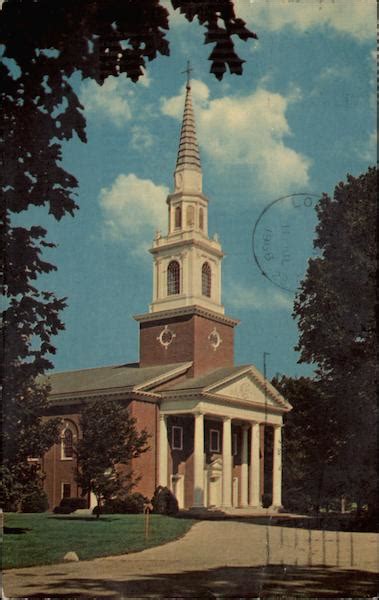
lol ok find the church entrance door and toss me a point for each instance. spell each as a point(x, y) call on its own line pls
point(214, 483)
point(214, 489)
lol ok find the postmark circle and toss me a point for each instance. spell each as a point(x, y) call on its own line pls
point(282, 239)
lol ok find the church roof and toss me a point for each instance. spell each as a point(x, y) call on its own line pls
point(188, 154)
point(204, 381)
point(216, 383)
point(125, 377)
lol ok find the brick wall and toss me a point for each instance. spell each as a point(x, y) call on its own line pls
point(190, 343)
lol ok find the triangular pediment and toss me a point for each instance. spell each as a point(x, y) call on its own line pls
point(250, 386)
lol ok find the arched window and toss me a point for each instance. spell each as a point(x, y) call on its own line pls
point(206, 277)
point(173, 278)
point(201, 219)
point(178, 217)
point(190, 216)
point(67, 444)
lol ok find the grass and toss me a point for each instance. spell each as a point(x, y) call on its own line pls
point(42, 539)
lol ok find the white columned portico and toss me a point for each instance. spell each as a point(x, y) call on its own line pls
point(244, 466)
point(198, 451)
point(277, 468)
point(254, 480)
point(163, 451)
point(227, 462)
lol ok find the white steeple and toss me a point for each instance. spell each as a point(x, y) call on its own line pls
point(188, 175)
point(187, 264)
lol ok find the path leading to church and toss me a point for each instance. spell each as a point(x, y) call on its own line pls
point(218, 559)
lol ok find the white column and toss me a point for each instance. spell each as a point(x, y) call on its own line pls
point(198, 452)
point(227, 462)
point(155, 281)
point(163, 451)
point(277, 469)
point(244, 467)
point(254, 480)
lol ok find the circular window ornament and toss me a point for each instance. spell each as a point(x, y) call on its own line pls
point(166, 337)
point(214, 339)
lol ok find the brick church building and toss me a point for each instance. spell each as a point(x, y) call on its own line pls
point(208, 419)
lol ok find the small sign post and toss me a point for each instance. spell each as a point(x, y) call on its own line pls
point(147, 522)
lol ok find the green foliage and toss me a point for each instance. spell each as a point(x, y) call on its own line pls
point(63, 510)
point(35, 502)
point(24, 434)
point(131, 503)
point(74, 502)
point(310, 446)
point(164, 502)
point(109, 441)
point(335, 308)
point(69, 505)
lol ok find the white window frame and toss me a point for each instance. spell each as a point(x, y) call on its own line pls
point(63, 483)
point(63, 456)
point(173, 446)
point(211, 448)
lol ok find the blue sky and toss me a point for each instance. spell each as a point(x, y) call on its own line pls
point(299, 119)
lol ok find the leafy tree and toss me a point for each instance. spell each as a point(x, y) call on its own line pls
point(335, 308)
point(24, 434)
point(43, 44)
point(310, 445)
point(109, 441)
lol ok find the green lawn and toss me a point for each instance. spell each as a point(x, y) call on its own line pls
point(40, 539)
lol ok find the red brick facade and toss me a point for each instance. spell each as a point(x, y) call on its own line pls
point(191, 343)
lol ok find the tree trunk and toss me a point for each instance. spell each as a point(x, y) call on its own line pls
point(98, 512)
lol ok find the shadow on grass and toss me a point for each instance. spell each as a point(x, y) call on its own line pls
point(244, 582)
point(16, 530)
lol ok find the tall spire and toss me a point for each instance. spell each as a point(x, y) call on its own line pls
point(188, 154)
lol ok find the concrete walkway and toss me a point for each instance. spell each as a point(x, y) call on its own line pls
point(218, 559)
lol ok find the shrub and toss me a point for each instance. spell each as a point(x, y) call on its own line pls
point(74, 503)
point(35, 502)
point(164, 502)
point(69, 505)
point(132, 504)
point(135, 503)
point(63, 510)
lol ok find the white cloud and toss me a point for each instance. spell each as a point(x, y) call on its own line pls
point(173, 107)
point(356, 18)
point(248, 130)
point(239, 296)
point(108, 99)
point(133, 208)
point(333, 72)
point(368, 150)
point(141, 138)
point(113, 100)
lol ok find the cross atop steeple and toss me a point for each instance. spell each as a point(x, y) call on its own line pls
point(188, 70)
